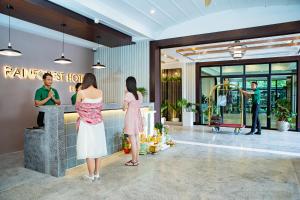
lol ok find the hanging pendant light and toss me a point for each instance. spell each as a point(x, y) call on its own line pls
point(237, 50)
point(62, 60)
point(98, 65)
point(9, 51)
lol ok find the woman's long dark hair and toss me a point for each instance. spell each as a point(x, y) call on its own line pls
point(131, 86)
point(88, 80)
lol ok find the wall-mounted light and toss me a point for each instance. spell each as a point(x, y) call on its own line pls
point(62, 60)
point(98, 65)
point(9, 51)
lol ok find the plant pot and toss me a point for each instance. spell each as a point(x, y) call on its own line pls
point(188, 118)
point(126, 150)
point(175, 119)
point(163, 120)
point(283, 126)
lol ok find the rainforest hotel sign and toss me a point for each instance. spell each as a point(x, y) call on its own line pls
point(15, 72)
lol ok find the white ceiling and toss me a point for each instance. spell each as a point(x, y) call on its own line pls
point(173, 18)
point(134, 18)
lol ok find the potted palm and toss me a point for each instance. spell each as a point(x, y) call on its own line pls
point(177, 109)
point(284, 114)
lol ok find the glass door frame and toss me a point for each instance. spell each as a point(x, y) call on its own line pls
point(244, 79)
point(269, 75)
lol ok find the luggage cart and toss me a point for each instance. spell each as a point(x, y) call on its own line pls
point(217, 121)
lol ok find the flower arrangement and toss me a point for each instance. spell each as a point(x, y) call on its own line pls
point(126, 144)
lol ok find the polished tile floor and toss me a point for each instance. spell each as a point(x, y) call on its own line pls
point(201, 166)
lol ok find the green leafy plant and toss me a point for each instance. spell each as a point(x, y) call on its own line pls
point(170, 78)
point(178, 106)
point(125, 142)
point(142, 90)
point(164, 107)
point(283, 111)
point(159, 126)
point(191, 107)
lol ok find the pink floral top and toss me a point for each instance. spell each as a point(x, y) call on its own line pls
point(133, 117)
point(89, 112)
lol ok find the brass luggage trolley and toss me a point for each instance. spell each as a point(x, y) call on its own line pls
point(216, 121)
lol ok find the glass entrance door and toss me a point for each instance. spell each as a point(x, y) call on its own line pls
point(232, 113)
point(283, 87)
point(263, 85)
point(232, 110)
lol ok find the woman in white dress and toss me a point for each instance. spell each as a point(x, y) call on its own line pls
point(91, 141)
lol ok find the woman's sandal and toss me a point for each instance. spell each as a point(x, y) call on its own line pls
point(131, 163)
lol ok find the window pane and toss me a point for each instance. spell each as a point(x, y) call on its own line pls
point(210, 71)
point(284, 68)
point(284, 87)
point(233, 70)
point(263, 87)
point(206, 86)
point(231, 112)
point(257, 69)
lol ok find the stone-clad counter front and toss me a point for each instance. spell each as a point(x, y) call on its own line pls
point(52, 149)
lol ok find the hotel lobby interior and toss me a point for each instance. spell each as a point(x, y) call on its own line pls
point(197, 64)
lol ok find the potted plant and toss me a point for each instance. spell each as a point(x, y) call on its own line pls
point(159, 127)
point(126, 144)
point(163, 108)
point(143, 91)
point(177, 109)
point(188, 114)
point(284, 114)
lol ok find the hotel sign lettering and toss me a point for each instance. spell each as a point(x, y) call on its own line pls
point(37, 74)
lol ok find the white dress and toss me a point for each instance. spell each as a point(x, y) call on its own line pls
point(91, 140)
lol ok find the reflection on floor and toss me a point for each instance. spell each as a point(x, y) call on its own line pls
point(201, 166)
point(235, 118)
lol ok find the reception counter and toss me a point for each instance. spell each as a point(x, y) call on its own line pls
point(52, 149)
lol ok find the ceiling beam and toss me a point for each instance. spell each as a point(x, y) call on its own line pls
point(292, 38)
point(231, 35)
point(50, 15)
point(247, 49)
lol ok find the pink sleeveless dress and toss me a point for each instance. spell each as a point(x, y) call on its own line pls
point(133, 117)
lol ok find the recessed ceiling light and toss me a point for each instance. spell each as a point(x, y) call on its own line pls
point(97, 21)
point(152, 11)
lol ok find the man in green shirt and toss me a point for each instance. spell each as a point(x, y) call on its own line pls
point(73, 98)
point(255, 94)
point(46, 95)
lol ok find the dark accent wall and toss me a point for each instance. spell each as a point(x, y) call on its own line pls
point(171, 89)
point(16, 96)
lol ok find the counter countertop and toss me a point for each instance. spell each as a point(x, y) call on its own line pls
point(71, 108)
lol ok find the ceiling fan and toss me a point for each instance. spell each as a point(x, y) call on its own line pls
point(207, 2)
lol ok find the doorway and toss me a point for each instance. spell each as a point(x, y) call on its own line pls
point(275, 81)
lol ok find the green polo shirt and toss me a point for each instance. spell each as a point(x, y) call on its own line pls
point(42, 93)
point(73, 99)
point(256, 96)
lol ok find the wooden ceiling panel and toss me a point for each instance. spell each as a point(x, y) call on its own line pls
point(50, 15)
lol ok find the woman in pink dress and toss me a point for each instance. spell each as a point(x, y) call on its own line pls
point(133, 118)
